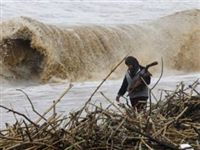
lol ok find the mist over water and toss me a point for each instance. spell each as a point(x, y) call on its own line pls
point(62, 47)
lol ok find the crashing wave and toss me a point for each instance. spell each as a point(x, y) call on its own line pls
point(31, 49)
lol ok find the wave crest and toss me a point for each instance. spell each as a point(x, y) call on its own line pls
point(31, 49)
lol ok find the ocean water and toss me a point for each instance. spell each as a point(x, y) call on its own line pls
point(103, 32)
point(94, 12)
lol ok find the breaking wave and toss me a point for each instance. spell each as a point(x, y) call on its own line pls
point(33, 50)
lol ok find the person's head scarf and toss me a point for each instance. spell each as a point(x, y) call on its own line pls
point(130, 60)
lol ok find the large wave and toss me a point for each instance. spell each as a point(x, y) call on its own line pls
point(31, 49)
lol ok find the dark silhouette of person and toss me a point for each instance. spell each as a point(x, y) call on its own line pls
point(139, 95)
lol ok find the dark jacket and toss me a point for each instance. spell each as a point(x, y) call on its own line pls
point(142, 90)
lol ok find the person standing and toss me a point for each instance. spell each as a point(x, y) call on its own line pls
point(139, 94)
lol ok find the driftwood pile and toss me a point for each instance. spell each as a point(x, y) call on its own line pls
point(172, 121)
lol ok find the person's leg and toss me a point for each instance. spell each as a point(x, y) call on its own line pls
point(133, 102)
point(139, 103)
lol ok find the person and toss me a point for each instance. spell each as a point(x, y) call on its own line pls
point(139, 95)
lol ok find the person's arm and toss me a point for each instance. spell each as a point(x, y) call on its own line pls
point(122, 89)
point(138, 83)
point(147, 77)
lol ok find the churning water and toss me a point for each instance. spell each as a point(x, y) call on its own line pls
point(55, 43)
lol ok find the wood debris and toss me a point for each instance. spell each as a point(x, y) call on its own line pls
point(173, 120)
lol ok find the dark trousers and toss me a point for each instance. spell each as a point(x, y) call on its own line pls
point(139, 103)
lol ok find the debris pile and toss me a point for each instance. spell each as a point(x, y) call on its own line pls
point(172, 121)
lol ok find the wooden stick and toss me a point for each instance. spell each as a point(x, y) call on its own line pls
point(104, 80)
point(88, 101)
point(20, 115)
point(56, 102)
point(32, 106)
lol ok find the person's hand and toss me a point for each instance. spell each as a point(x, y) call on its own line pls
point(117, 98)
